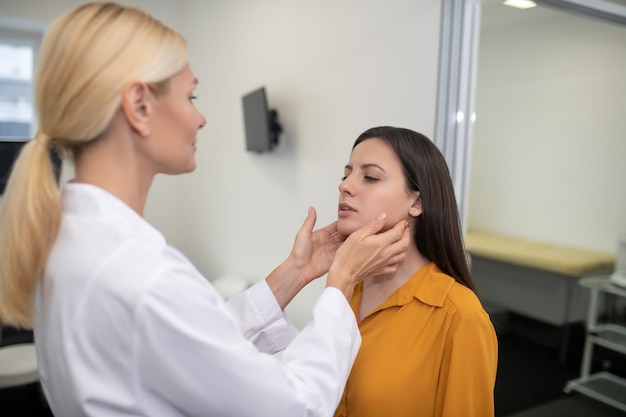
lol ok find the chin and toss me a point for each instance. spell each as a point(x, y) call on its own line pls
point(346, 227)
point(189, 167)
point(180, 169)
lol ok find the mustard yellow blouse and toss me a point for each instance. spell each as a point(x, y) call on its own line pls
point(429, 350)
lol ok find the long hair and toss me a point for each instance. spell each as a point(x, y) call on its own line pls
point(85, 59)
point(437, 232)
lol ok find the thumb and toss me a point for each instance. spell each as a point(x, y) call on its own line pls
point(373, 227)
point(309, 222)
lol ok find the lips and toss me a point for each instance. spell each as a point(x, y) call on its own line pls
point(345, 209)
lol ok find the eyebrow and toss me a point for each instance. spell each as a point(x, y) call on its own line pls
point(365, 166)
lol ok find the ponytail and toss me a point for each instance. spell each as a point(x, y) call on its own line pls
point(29, 221)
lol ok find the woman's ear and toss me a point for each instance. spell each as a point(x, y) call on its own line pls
point(416, 207)
point(136, 106)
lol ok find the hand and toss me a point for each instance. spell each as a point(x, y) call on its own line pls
point(366, 253)
point(314, 251)
point(310, 258)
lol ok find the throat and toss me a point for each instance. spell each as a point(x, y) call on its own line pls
point(377, 289)
point(375, 292)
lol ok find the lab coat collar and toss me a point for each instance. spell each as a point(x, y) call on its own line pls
point(92, 201)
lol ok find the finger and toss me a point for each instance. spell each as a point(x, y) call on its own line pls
point(371, 228)
point(330, 229)
point(338, 237)
point(401, 245)
point(389, 270)
point(394, 251)
point(396, 259)
point(402, 227)
point(399, 232)
point(333, 234)
point(393, 263)
point(309, 222)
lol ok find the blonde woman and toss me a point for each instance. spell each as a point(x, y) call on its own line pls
point(124, 324)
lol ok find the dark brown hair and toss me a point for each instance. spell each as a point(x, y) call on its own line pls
point(437, 233)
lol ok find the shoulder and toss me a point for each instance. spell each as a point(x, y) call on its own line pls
point(456, 297)
point(465, 301)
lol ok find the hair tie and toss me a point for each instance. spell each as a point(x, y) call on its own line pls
point(44, 139)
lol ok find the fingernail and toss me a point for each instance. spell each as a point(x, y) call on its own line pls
point(382, 216)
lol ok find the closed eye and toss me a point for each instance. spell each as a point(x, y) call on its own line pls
point(366, 178)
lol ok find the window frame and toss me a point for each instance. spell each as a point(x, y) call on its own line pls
point(31, 37)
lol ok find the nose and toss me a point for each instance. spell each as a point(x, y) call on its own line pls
point(202, 122)
point(345, 188)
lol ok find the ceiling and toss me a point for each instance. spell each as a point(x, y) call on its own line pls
point(494, 14)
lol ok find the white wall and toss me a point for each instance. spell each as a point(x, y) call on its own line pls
point(549, 145)
point(332, 69)
point(44, 11)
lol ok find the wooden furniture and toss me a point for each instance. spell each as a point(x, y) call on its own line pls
point(602, 386)
point(534, 279)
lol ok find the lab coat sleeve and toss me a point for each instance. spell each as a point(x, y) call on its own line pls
point(191, 354)
point(261, 319)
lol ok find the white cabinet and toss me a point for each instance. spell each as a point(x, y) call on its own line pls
point(603, 386)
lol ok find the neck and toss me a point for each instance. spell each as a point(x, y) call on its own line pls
point(110, 162)
point(377, 289)
point(414, 261)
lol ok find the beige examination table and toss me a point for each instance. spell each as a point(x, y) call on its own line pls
point(534, 279)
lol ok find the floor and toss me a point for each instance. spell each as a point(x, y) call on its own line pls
point(530, 378)
point(575, 406)
point(25, 401)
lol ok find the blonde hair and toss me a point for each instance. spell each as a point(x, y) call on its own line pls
point(85, 59)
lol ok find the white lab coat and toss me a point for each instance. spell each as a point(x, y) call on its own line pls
point(126, 326)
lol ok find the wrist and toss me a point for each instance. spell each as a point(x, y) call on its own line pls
point(286, 281)
point(342, 280)
point(296, 271)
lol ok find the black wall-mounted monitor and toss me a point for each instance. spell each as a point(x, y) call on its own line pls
point(261, 123)
point(10, 150)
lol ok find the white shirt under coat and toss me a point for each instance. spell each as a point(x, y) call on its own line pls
point(126, 326)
